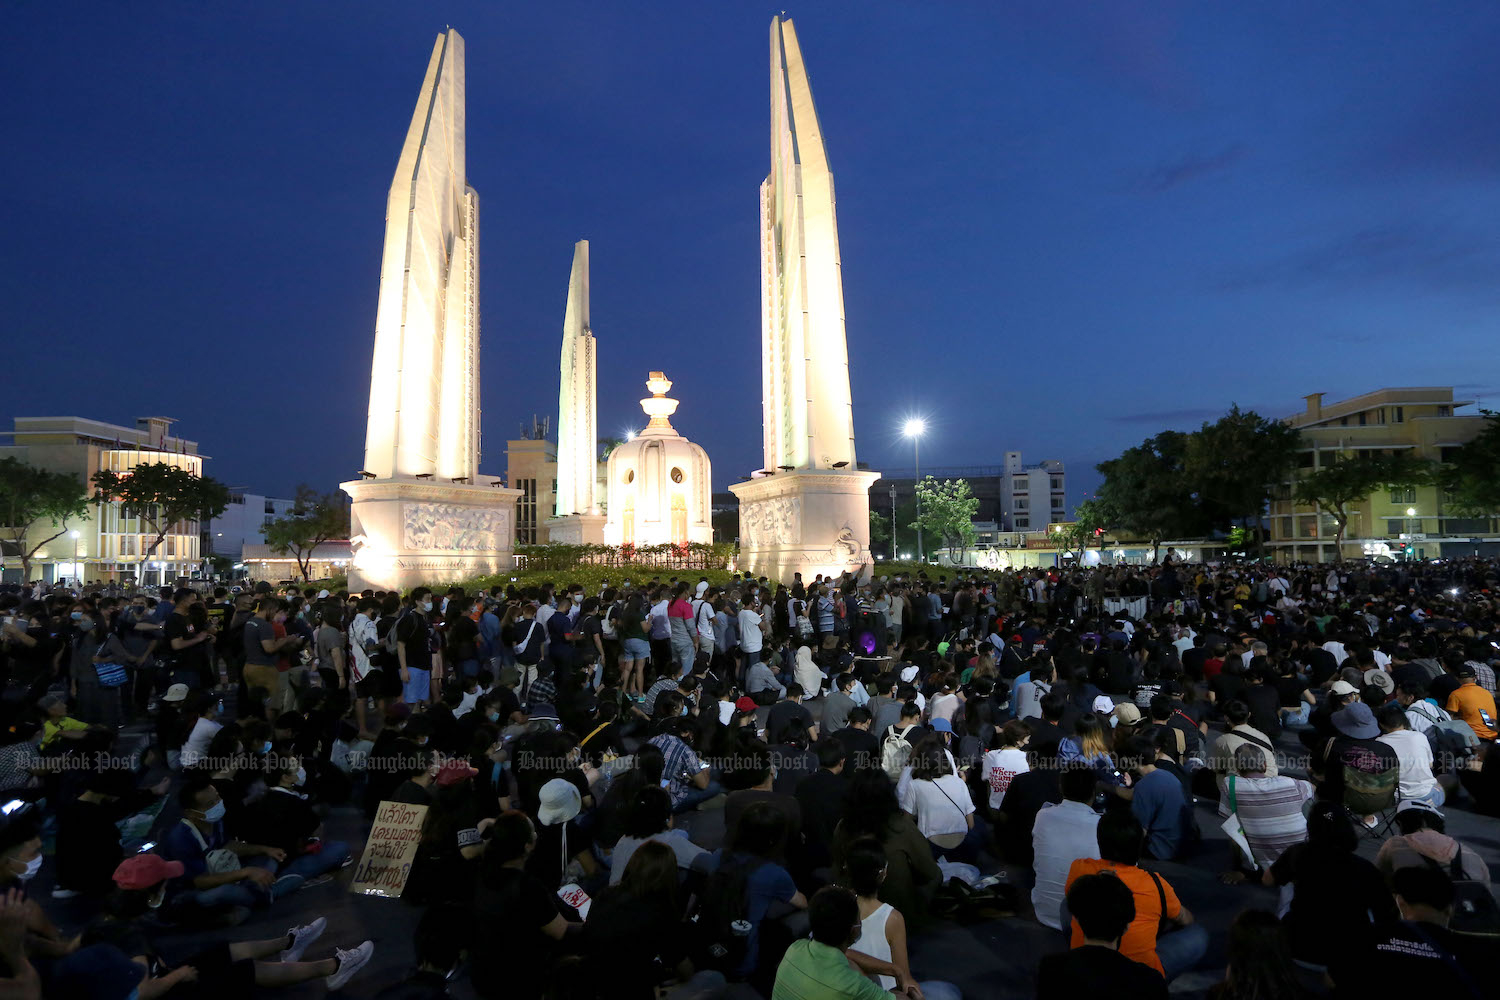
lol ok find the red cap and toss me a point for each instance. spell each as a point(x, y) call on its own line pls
point(745, 704)
point(453, 772)
point(142, 871)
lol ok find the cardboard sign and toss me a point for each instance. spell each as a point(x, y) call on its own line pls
point(386, 864)
point(574, 896)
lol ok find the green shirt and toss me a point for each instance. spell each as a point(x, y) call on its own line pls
point(813, 971)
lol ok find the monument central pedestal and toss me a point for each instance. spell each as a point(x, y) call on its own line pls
point(406, 531)
point(576, 529)
point(808, 521)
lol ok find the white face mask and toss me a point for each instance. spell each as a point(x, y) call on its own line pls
point(301, 776)
point(32, 867)
point(160, 897)
point(427, 606)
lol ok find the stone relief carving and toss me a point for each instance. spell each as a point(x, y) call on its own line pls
point(846, 548)
point(771, 522)
point(451, 528)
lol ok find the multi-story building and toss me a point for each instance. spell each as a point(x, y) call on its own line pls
point(113, 543)
point(1423, 422)
point(1013, 497)
point(531, 467)
point(243, 523)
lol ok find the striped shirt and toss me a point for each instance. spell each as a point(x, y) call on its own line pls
point(1270, 810)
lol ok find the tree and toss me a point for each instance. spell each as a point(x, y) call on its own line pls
point(36, 498)
point(948, 510)
point(1233, 462)
point(1146, 492)
point(880, 528)
point(163, 495)
point(314, 519)
point(1090, 519)
point(607, 445)
point(1334, 488)
point(1472, 476)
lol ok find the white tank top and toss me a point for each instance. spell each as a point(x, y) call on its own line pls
point(873, 942)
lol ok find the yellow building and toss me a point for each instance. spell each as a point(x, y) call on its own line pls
point(531, 467)
point(109, 546)
point(1423, 422)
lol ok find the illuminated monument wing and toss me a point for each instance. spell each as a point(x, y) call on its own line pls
point(807, 510)
point(578, 520)
point(422, 513)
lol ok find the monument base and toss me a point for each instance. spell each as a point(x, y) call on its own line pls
point(576, 529)
point(406, 531)
point(809, 521)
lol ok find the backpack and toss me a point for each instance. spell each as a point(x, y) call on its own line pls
point(895, 751)
point(531, 653)
point(721, 923)
point(1475, 912)
point(1452, 740)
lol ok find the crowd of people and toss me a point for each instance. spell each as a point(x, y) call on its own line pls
point(876, 750)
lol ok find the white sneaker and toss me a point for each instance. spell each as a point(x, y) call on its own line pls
point(301, 938)
point(350, 962)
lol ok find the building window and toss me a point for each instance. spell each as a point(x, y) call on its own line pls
point(1399, 414)
point(270, 507)
point(1022, 485)
point(1284, 527)
point(1380, 415)
point(1022, 523)
point(1442, 411)
point(1022, 503)
point(1404, 495)
point(1305, 459)
point(1057, 503)
point(1362, 418)
point(1466, 526)
point(1394, 526)
point(1307, 526)
point(1057, 482)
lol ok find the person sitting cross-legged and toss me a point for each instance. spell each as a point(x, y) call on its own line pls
point(1104, 907)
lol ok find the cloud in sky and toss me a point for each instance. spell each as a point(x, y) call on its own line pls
point(1175, 173)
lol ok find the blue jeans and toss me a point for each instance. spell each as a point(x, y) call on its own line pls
point(1435, 797)
point(1182, 949)
point(1296, 718)
point(697, 795)
point(937, 989)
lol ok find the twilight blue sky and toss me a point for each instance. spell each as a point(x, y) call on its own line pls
point(1064, 226)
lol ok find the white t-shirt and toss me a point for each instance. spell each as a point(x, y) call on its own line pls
point(362, 629)
point(1000, 768)
point(703, 617)
point(750, 637)
point(944, 705)
point(196, 747)
point(1415, 755)
point(939, 806)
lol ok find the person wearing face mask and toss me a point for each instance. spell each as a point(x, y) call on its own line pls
point(189, 641)
point(29, 647)
point(94, 702)
point(207, 726)
point(215, 876)
point(20, 861)
point(264, 649)
point(414, 648)
point(516, 915)
point(232, 969)
point(284, 819)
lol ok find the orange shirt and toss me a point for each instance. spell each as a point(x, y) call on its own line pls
point(1139, 942)
point(1476, 706)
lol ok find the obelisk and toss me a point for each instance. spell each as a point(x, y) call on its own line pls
point(421, 511)
point(808, 509)
point(578, 520)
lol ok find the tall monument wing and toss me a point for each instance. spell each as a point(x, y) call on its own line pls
point(424, 379)
point(808, 414)
point(577, 423)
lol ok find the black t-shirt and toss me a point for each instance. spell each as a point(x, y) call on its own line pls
point(194, 657)
point(412, 794)
point(821, 799)
point(280, 819)
point(415, 634)
point(1442, 686)
point(1289, 691)
point(88, 847)
point(1028, 792)
point(547, 860)
point(635, 939)
point(783, 715)
point(510, 909)
point(1335, 894)
point(861, 749)
point(1265, 708)
point(1227, 687)
point(1413, 959)
point(1095, 971)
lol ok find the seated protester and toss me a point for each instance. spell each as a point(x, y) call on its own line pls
point(1005, 759)
point(1294, 699)
point(1089, 745)
point(634, 928)
point(758, 779)
point(1221, 757)
point(233, 969)
point(791, 715)
point(880, 950)
point(1261, 696)
point(1417, 954)
point(420, 767)
point(236, 773)
point(1473, 704)
point(88, 839)
point(283, 819)
point(839, 703)
point(563, 851)
point(1047, 732)
point(1104, 908)
point(603, 739)
point(1171, 954)
point(871, 810)
point(861, 747)
point(647, 817)
point(939, 801)
point(60, 731)
point(440, 940)
point(1337, 895)
point(1340, 694)
point(1165, 712)
point(1269, 807)
point(945, 701)
point(1061, 832)
point(1229, 684)
point(447, 862)
point(195, 748)
point(1158, 802)
point(885, 707)
point(908, 729)
point(215, 873)
point(821, 800)
point(791, 759)
point(689, 781)
point(757, 842)
point(1414, 754)
point(1028, 696)
point(818, 968)
point(611, 816)
point(763, 685)
point(1423, 841)
point(516, 916)
point(1422, 712)
point(1355, 748)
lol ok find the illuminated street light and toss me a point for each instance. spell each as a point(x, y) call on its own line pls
point(914, 428)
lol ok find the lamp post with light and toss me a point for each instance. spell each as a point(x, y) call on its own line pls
point(914, 429)
point(1411, 531)
point(74, 535)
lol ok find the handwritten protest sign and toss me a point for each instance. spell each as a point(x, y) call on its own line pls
point(386, 864)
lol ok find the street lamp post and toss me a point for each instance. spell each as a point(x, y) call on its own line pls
point(893, 521)
point(1411, 532)
point(74, 535)
point(914, 429)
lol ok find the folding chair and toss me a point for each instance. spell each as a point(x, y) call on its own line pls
point(1375, 795)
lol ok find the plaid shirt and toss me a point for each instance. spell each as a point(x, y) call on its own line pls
point(1484, 675)
point(679, 765)
point(543, 691)
point(662, 685)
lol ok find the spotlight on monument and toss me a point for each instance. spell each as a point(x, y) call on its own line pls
point(630, 435)
point(841, 465)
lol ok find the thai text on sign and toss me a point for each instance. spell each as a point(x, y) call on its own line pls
point(386, 864)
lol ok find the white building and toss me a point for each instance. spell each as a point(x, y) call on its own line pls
point(244, 523)
point(1032, 496)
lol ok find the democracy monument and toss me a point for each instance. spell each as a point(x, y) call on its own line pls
point(423, 513)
